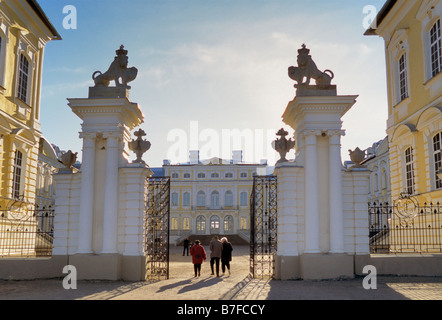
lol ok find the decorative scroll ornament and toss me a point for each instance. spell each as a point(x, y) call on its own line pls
point(407, 208)
point(139, 146)
point(282, 145)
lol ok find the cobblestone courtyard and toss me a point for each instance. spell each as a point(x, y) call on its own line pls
point(238, 286)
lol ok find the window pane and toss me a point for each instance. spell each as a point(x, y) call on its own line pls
point(23, 78)
point(435, 49)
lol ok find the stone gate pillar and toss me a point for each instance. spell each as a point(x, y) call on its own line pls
point(322, 212)
point(100, 209)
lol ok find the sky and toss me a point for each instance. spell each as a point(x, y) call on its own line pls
point(213, 71)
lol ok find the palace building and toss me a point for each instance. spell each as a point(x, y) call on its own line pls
point(24, 32)
point(210, 196)
point(413, 48)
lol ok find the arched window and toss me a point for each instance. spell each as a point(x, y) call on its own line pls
point(23, 78)
point(214, 175)
point(436, 49)
point(200, 224)
point(214, 200)
point(228, 198)
point(228, 175)
point(228, 224)
point(437, 156)
point(214, 224)
point(201, 199)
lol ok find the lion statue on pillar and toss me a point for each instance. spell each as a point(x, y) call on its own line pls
point(117, 70)
point(308, 70)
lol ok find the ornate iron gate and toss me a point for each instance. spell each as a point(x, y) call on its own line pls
point(156, 228)
point(263, 226)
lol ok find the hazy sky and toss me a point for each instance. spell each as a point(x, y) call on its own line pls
point(210, 68)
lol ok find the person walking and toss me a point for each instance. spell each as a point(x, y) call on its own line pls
point(186, 244)
point(216, 248)
point(198, 257)
point(226, 255)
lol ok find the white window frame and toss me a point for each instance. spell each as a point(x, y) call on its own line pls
point(436, 43)
point(228, 198)
point(228, 224)
point(201, 199)
point(410, 185)
point(201, 224)
point(403, 90)
point(437, 158)
point(397, 49)
point(428, 14)
point(4, 30)
point(243, 202)
point(186, 199)
point(214, 200)
point(18, 174)
point(174, 199)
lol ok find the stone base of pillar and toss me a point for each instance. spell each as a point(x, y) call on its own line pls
point(314, 266)
point(109, 267)
point(326, 266)
point(287, 268)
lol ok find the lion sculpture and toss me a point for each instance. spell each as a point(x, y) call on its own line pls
point(117, 70)
point(307, 69)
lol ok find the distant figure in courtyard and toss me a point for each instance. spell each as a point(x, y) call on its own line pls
point(216, 248)
point(186, 244)
point(198, 257)
point(226, 255)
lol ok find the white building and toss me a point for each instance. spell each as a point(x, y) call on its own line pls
point(378, 163)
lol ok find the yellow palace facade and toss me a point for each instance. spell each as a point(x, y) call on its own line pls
point(209, 197)
point(412, 34)
point(24, 32)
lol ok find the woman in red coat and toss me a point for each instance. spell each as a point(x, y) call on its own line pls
point(198, 257)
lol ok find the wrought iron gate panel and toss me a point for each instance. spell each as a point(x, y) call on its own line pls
point(156, 228)
point(263, 226)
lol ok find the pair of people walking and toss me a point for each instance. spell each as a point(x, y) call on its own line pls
point(220, 251)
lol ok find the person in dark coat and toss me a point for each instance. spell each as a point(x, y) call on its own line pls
point(198, 257)
point(226, 255)
point(216, 248)
point(186, 244)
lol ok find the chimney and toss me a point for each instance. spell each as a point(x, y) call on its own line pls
point(194, 156)
point(166, 162)
point(236, 156)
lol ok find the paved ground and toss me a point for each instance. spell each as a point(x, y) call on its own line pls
point(238, 286)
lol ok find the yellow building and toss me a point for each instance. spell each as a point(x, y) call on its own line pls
point(24, 32)
point(209, 197)
point(412, 34)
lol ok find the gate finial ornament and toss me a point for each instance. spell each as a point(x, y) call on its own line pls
point(282, 145)
point(139, 146)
